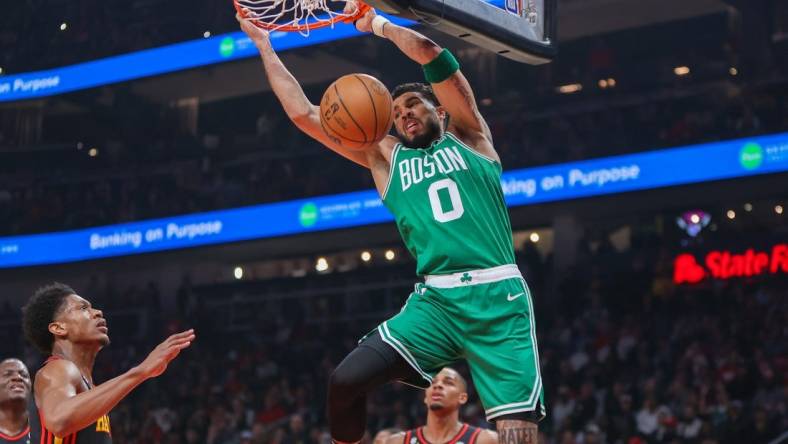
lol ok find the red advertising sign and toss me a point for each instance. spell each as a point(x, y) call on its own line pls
point(724, 264)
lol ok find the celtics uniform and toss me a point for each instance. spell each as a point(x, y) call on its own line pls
point(473, 304)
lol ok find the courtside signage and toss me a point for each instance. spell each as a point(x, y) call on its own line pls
point(604, 176)
point(726, 264)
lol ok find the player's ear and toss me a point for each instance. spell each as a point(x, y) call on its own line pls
point(442, 114)
point(57, 328)
point(463, 398)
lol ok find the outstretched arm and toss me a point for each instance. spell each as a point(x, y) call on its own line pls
point(304, 114)
point(454, 92)
point(65, 411)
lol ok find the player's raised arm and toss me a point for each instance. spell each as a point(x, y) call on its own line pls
point(304, 114)
point(441, 70)
point(65, 411)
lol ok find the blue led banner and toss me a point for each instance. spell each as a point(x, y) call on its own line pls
point(157, 61)
point(163, 60)
point(610, 175)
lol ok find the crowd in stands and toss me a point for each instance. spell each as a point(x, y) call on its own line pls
point(244, 151)
point(627, 357)
point(134, 180)
point(32, 37)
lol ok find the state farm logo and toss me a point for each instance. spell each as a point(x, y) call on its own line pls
point(727, 265)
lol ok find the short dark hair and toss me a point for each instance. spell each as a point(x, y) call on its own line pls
point(425, 89)
point(40, 312)
point(463, 382)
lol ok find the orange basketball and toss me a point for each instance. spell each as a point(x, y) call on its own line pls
point(356, 111)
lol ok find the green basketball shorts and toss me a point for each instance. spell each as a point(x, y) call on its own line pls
point(483, 316)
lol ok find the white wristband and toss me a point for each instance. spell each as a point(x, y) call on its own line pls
point(378, 23)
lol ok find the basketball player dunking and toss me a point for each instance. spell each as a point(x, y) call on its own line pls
point(443, 398)
point(440, 178)
point(73, 409)
point(18, 423)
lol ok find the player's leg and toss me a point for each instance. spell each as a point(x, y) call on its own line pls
point(504, 359)
point(372, 364)
point(514, 429)
point(409, 347)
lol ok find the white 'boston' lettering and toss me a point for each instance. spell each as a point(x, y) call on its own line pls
point(445, 160)
point(428, 163)
point(444, 165)
point(418, 169)
point(404, 174)
point(456, 159)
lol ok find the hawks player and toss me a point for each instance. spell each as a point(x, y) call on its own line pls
point(72, 408)
point(18, 420)
point(447, 393)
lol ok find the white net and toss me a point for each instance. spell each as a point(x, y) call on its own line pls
point(298, 15)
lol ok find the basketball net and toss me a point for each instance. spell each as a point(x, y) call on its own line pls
point(299, 15)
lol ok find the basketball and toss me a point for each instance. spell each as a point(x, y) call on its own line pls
point(356, 111)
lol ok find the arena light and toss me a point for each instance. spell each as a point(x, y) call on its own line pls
point(607, 83)
point(748, 207)
point(681, 70)
point(93, 152)
point(238, 272)
point(733, 71)
point(63, 26)
point(693, 221)
point(731, 214)
point(570, 88)
point(366, 256)
point(322, 264)
point(206, 34)
point(390, 255)
point(778, 209)
point(534, 237)
point(1, 69)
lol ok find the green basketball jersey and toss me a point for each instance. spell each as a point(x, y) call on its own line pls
point(449, 207)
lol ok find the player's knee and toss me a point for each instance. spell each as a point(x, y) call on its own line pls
point(344, 382)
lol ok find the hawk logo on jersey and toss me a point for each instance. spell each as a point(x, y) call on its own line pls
point(102, 425)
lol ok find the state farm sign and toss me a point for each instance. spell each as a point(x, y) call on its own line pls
point(724, 264)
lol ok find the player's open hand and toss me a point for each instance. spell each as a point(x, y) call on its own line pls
point(364, 24)
point(164, 353)
point(258, 35)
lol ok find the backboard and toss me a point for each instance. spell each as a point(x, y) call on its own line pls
point(522, 30)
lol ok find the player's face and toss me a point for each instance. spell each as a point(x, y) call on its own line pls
point(416, 120)
point(14, 381)
point(81, 323)
point(446, 392)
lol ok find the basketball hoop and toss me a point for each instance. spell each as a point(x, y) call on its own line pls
point(299, 15)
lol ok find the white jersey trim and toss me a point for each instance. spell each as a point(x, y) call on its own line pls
point(462, 144)
point(391, 170)
point(473, 277)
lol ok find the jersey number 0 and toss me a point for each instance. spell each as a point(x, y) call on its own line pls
point(438, 212)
